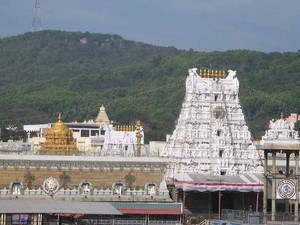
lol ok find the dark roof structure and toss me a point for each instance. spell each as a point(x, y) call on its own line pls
point(149, 208)
point(57, 207)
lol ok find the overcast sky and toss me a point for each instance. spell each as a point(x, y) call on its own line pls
point(204, 25)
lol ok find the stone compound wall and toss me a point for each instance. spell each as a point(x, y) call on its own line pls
point(98, 178)
point(98, 173)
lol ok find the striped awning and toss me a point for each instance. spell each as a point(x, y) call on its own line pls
point(212, 183)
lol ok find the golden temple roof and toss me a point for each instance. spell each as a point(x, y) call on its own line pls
point(59, 140)
point(59, 127)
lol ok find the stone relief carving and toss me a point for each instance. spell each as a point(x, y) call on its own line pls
point(50, 186)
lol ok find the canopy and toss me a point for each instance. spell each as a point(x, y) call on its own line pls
point(211, 183)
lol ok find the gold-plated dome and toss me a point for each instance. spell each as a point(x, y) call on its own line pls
point(58, 126)
point(59, 140)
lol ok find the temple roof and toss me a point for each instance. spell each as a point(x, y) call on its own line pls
point(70, 207)
point(59, 140)
point(102, 117)
point(281, 135)
point(59, 126)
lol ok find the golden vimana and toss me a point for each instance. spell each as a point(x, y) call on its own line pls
point(59, 140)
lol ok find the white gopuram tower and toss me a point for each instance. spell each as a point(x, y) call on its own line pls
point(211, 135)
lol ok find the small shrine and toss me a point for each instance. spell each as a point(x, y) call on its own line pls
point(59, 140)
point(281, 184)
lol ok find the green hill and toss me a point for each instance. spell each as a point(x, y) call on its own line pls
point(44, 73)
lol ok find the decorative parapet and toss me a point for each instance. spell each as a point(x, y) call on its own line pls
point(77, 192)
point(82, 163)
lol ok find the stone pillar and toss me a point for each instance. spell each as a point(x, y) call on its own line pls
point(3, 219)
point(273, 185)
point(175, 194)
point(297, 185)
point(28, 136)
point(220, 205)
point(265, 199)
point(287, 174)
point(183, 198)
point(287, 166)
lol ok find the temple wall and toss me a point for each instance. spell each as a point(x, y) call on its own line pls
point(98, 178)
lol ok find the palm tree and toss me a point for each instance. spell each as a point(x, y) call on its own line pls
point(129, 179)
point(29, 179)
point(64, 179)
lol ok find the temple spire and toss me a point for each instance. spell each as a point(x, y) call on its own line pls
point(102, 117)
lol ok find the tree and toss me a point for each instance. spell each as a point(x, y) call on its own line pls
point(64, 179)
point(29, 179)
point(11, 131)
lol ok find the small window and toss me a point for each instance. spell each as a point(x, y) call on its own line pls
point(85, 133)
point(216, 97)
point(221, 153)
point(219, 133)
point(102, 132)
point(223, 172)
point(94, 132)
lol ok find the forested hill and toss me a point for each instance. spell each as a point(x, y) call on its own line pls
point(45, 73)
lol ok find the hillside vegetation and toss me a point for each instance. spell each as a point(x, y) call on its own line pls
point(50, 72)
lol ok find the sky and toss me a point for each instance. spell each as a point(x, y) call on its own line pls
point(202, 25)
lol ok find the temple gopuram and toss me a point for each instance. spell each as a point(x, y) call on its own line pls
point(211, 134)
